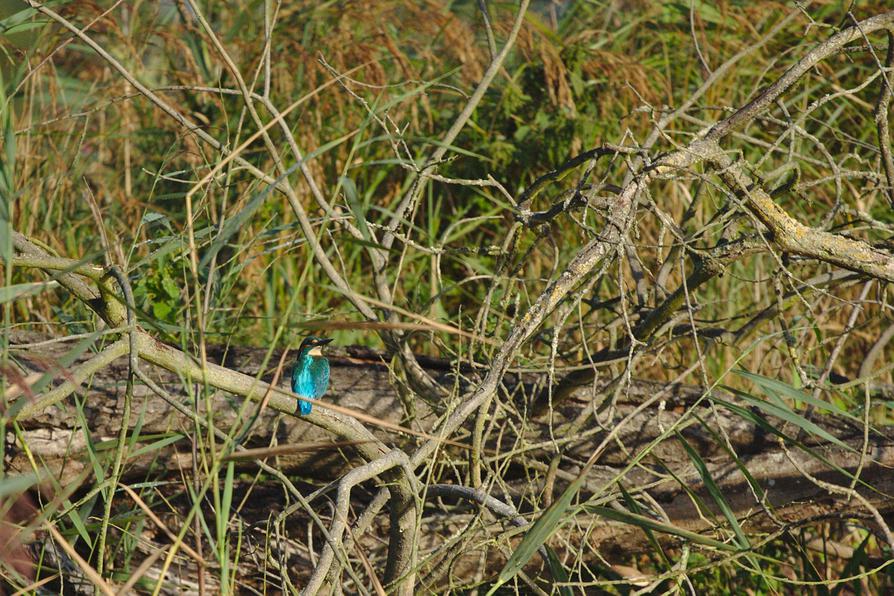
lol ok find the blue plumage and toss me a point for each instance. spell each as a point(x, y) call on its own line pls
point(310, 376)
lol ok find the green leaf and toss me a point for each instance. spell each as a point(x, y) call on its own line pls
point(758, 420)
point(705, 10)
point(78, 521)
point(227, 500)
point(25, 27)
point(91, 448)
point(161, 310)
point(169, 285)
point(7, 174)
point(743, 469)
point(858, 560)
point(150, 217)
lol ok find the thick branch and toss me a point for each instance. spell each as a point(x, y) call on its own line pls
point(792, 236)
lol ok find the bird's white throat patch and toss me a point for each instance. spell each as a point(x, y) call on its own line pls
point(315, 351)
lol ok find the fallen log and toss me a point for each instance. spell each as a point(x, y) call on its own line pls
point(788, 485)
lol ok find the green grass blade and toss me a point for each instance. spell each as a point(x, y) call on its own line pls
point(779, 388)
point(238, 221)
point(763, 423)
point(858, 560)
point(155, 446)
point(65, 361)
point(631, 504)
point(643, 522)
point(786, 414)
point(557, 570)
point(13, 485)
point(715, 492)
point(537, 535)
point(17, 291)
point(743, 469)
point(355, 205)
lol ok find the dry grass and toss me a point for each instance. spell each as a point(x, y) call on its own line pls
point(100, 174)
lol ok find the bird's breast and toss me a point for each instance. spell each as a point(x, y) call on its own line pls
point(311, 377)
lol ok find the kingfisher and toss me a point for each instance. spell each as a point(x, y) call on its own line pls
point(310, 376)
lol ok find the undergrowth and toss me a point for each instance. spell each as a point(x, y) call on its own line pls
point(92, 169)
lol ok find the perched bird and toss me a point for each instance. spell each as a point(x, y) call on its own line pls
point(310, 376)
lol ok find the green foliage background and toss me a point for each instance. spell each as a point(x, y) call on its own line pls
point(582, 74)
point(82, 152)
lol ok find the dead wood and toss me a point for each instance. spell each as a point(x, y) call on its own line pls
point(360, 380)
